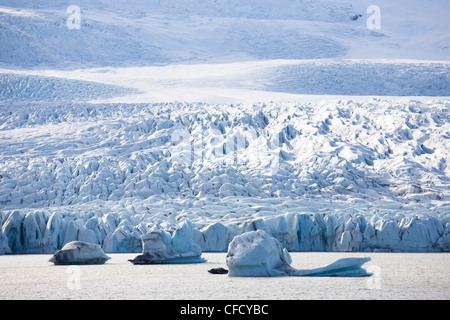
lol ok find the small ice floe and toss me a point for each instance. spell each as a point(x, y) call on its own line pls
point(159, 247)
point(79, 252)
point(257, 254)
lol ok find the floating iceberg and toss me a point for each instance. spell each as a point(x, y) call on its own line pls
point(257, 254)
point(160, 247)
point(79, 252)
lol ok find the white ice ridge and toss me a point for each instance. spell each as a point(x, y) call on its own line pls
point(79, 252)
point(160, 247)
point(257, 254)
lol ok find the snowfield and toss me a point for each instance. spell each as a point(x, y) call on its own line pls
point(290, 117)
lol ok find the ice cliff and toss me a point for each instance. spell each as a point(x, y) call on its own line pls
point(22, 233)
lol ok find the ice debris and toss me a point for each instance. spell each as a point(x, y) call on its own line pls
point(257, 254)
point(79, 252)
point(160, 247)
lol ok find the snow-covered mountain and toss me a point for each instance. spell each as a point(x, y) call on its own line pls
point(288, 116)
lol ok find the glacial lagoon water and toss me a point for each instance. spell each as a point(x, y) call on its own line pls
point(396, 276)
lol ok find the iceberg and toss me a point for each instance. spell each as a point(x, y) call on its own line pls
point(79, 252)
point(159, 247)
point(257, 254)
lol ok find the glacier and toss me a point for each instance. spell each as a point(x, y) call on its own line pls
point(291, 170)
point(319, 176)
point(257, 254)
point(290, 117)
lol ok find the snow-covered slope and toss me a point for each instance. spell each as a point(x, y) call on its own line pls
point(277, 115)
point(137, 33)
point(229, 51)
